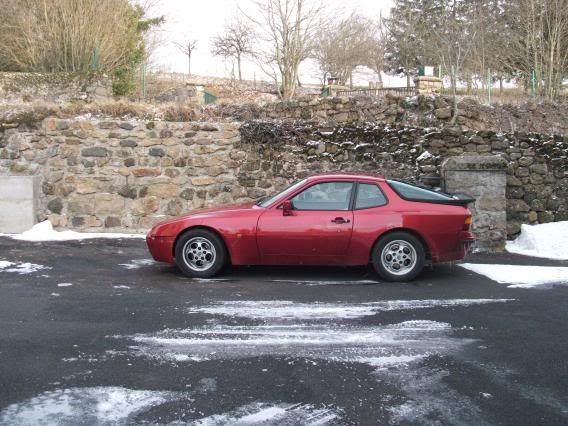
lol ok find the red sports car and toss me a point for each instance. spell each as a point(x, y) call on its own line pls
point(332, 219)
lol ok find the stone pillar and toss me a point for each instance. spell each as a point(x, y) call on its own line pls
point(426, 85)
point(18, 203)
point(485, 179)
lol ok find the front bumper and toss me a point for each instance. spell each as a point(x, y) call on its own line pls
point(161, 248)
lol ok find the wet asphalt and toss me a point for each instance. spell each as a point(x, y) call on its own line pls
point(494, 363)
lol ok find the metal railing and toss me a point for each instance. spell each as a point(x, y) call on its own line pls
point(381, 92)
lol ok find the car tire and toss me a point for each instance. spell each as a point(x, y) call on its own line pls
point(398, 256)
point(200, 253)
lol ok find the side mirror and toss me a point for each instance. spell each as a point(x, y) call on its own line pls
point(287, 208)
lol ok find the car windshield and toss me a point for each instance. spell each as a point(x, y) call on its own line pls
point(265, 202)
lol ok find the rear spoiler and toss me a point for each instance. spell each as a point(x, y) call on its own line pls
point(459, 200)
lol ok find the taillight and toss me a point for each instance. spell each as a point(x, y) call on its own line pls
point(467, 223)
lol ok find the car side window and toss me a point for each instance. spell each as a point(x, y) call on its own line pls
point(369, 195)
point(324, 196)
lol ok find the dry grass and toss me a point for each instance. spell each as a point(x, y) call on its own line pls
point(31, 113)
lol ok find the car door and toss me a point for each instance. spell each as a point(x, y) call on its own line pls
point(317, 230)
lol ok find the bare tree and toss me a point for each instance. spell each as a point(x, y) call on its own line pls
point(345, 45)
point(539, 46)
point(377, 49)
point(453, 41)
point(288, 28)
point(187, 47)
point(235, 42)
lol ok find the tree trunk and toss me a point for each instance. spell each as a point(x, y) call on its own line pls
point(454, 96)
point(408, 80)
point(239, 67)
point(189, 64)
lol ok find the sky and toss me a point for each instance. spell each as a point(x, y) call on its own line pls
point(203, 19)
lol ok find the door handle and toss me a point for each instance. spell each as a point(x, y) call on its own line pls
point(340, 220)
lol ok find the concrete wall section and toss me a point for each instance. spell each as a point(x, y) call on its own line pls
point(485, 179)
point(19, 197)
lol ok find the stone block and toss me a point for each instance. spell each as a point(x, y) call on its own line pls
point(95, 151)
point(163, 190)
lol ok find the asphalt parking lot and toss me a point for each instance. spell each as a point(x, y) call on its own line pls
point(94, 332)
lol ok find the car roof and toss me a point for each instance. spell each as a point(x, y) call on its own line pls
point(348, 175)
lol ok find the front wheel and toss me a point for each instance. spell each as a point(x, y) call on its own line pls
point(200, 253)
point(398, 256)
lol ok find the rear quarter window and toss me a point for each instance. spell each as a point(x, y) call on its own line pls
point(368, 196)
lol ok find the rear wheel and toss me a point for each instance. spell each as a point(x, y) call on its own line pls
point(399, 256)
point(200, 253)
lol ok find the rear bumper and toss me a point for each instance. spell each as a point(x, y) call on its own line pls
point(459, 249)
point(161, 248)
point(467, 239)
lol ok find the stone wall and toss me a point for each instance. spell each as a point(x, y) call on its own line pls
point(21, 87)
point(127, 175)
point(537, 165)
point(420, 111)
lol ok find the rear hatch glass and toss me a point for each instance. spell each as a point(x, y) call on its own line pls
point(413, 192)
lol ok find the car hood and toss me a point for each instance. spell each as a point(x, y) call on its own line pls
point(214, 211)
point(229, 207)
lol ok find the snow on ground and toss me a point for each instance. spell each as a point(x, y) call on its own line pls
point(396, 354)
point(137, 263)
point(121, 406)
point(378, 346)
point(284, 310)
point(44, 231)
point(260, 413)
point(20, 267)
point(522, 276)
point(548, 240)
point(97, 405)
point(323, 282)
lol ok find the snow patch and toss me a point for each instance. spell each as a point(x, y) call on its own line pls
point(424, 156)
point(284, 310)
point(429, 399)
point(44, 231)
point(378, 346)
point(121, 287)
point(521, 276)
point(21, 267)
point(549, 240)
point(64, 284)
point(261, 413)
point(137, 263)
point(323, 282)
point(97, 405)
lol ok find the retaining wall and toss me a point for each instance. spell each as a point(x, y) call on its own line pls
point(99, 175)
